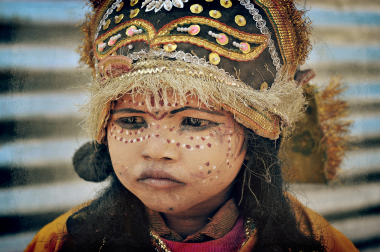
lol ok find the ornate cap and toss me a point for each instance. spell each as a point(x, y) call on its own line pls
point(239, 55)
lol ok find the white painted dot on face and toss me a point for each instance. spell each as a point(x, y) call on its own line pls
point(214, 167)
point(204, 181)
point(118, 131)
point(174, 132)
point(183, 145)
point(229, 145)
point(192, 101)
point(216, 176)
point(165, 127)
point(191, 148)
point(126, 167)
point(201, 147)
point(172, 141)
point(153, 123)
point(197, 137)
point(134, 140)
point(152, 135)
point(118, 138)
point(125, 101)
point(139, 103)
point(126, 132)
point(138, 132)
point(207, 137)
point(141, 138)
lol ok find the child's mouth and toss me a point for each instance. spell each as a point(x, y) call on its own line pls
point(159, 179)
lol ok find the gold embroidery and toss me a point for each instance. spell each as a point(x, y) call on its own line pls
point(134, 13)
point(120, 6)
point(170, 47)
point(149, 34)
point(119, 18)
point(214, 58)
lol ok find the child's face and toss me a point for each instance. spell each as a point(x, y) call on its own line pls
point(174, 157)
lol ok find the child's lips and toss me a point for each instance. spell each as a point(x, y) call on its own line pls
point(159, 179)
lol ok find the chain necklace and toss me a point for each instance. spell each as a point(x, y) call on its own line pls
point(160, 246)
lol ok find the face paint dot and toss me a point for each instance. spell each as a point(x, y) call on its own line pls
point(204, 181)
point(134, 140)
point(138, 132)
point(171, 129)
point(118, 131)
point(178, 144)
point(208, 163)
point(197, 146)
point(143, 138)
point(130, 133)
point(188, 146)
point(191, 138)
point(138, 139)
point(230, 167)
point(207, 137)
point(142, 130)
point(211, 135)
point(135, 132)
point(157, 136)
point(111, 133)
point(201, 147)
point(168, 141)
point(121, 139)
point(176, 104)
point(200, 167)
point(180, 133)
point(228, 141)
point(203, 138)
point(216, 176)
point(126, 167)
point(130, 101)
point(153, 123)
point(228, 154)
point(209, 172)
point(169, 104)
point(187, 103)
point(126, 141)
point(158, 126)
point(209, 145)
point(197, 137)
point(172, 141)
point(114, 127)
point(121, 131)
point(183, 145)
point(143, 103)
point(115, 137)
point(139, 103)
point(131, 141)
point(148, 136)
point(210, 179)
point(112, 124)
point(214, 167)
point(229, 149)
point(165, 126)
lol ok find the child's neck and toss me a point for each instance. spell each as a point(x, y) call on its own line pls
point(194, 219)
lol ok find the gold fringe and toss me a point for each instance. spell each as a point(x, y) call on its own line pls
point(335, 128)
point(155, 77)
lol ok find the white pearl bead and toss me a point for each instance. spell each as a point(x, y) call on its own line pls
point(210, 33)
point(130, 47)
point(215, 12)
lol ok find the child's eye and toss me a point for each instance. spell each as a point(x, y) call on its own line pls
point(133, 122)
point(197, 123)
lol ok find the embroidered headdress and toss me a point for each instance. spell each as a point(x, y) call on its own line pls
point(238, 55)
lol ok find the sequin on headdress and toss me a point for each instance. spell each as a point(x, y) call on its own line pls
point(239, 55)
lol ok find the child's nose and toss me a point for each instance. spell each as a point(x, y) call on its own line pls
point(159, 147)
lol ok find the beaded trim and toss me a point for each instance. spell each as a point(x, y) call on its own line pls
point(261, 24)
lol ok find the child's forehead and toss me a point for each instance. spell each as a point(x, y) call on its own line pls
point(169, 103)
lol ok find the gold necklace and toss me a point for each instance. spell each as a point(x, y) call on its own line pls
point(160, 245)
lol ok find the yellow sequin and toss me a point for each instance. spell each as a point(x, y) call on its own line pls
point(240, 20)
point(120, 6)
point(134, 2)
point(134, 13)
point(170, 47)
point(214, 58)
point(106, 24)
point(226, 3)
point(196, 8)
point(118, 18)
point(215, 14)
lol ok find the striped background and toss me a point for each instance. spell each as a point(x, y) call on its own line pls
point(40, 85)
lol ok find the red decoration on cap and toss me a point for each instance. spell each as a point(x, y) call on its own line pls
point(113, 66)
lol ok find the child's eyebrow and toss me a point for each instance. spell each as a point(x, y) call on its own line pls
point(197, 109)
point(129, 110)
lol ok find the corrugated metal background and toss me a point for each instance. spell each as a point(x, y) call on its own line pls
point(40, 83)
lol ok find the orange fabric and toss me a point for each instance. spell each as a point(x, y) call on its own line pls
point(49, 237)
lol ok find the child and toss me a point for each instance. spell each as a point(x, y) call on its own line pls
point(187, 105)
